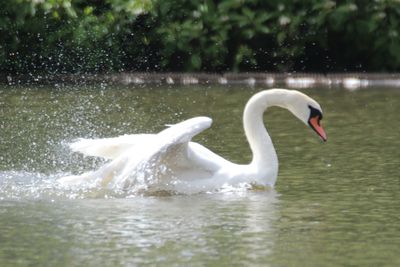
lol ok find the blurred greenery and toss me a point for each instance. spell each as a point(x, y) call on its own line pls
point(65, 36)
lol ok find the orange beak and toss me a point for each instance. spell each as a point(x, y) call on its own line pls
point(315, 125)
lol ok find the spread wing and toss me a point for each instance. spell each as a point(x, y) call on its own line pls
point(149, 159)
point(110, 148)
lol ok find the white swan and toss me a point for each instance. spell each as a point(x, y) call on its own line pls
point(170, 161)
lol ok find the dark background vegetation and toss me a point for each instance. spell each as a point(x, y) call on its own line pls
point(91, 36)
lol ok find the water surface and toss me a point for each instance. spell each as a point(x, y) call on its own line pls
point(335, 204)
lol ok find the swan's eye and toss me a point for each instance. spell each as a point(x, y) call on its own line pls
point(314, 113)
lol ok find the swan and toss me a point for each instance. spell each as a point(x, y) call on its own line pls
point(169, 160)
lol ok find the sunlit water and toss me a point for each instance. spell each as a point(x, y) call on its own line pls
point(335, 204)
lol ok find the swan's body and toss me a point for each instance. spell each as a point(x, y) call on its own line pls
point(170, 161)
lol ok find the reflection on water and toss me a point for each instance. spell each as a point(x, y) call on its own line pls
point(139, 230)
point(335, 204)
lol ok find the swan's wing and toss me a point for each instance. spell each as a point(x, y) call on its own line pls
point(148, 160)
point(168, 154)
point(184, 131)
point(109, 148)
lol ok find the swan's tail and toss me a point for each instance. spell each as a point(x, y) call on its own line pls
point(101, 177)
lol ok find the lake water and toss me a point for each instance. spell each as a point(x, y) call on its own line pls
point(335, 204)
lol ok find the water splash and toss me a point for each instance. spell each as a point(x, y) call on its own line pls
point(22, 185)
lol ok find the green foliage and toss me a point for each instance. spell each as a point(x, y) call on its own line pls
point(199, 35)
point(280, 35)
point(65, 35)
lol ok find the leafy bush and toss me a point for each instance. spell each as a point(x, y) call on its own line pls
point(199, 35)
point(67, 36)
point(307, 35)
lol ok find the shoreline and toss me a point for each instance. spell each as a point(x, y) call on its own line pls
point(291, 80)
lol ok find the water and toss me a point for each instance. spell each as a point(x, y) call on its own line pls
point(335, 204)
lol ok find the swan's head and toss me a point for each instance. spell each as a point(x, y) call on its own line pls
point(302, 106)
point(308, 111)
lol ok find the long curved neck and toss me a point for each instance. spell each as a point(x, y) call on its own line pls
point(264, 155)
